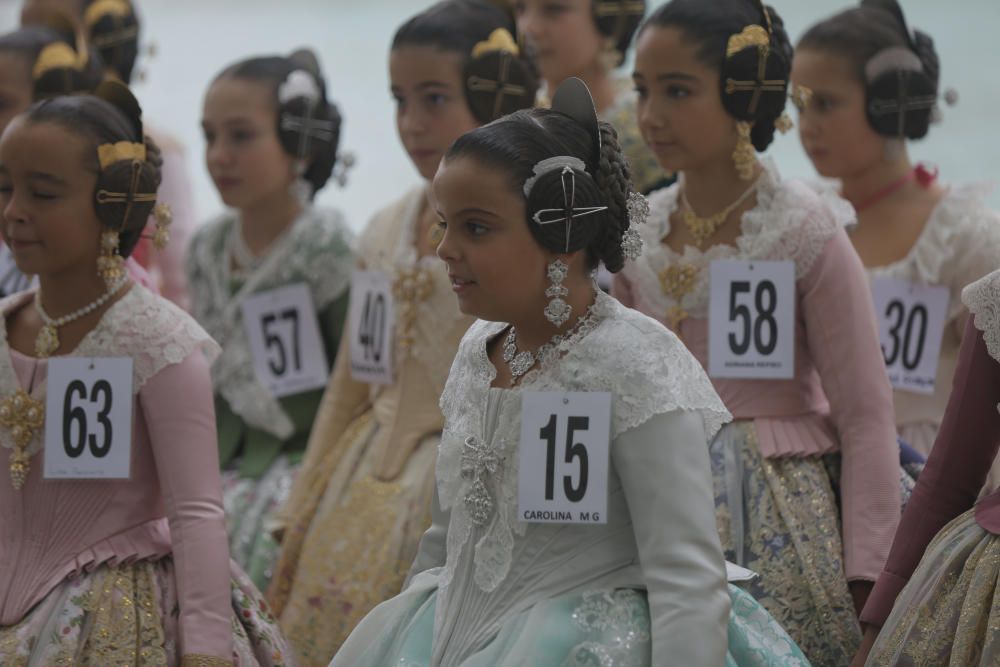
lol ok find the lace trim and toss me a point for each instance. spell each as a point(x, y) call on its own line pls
point(961, 219)
point(316, 250)
point(789, 221)
point(152, 331)
point(645, 367)
point(983, 300)
point(388, 245)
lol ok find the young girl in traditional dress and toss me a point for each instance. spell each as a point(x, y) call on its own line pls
point(122, 560)
point(854, 123)
point(37, 62)
point(712, 79)
point(269, 280)
point(363, 499)
point(530, 204)
point(935, 603)
point(590, 39)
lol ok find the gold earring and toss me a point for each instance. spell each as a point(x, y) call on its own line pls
point(744, 155)
point(163, 216)
point(110, 265)
point(784, 124)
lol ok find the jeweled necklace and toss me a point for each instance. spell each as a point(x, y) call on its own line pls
point(701, 228)
point(519, 363)
point(47, 340)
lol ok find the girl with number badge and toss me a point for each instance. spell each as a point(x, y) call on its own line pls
point(113, 541)
point(573, 519)
point(590, 39)
point(269, 280)
point(757, 277)
point(944, 564)
point(864, 86)
point(37, 62)
point(363, 500)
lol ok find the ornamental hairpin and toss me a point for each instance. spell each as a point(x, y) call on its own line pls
point(569, 210)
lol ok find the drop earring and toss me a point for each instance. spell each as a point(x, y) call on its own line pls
point(744, 155)
point(558, 311)
point(110, 265)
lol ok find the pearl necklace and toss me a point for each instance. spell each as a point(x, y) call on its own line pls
point(47, 341)
point(519, 363)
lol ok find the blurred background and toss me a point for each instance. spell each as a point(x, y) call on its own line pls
point(192, 40)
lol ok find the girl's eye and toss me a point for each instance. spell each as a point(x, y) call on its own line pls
point(242, 135)
point(476, 229)
point(44, 196)
point(640, 91)
point(437, 99)
point(677, 92)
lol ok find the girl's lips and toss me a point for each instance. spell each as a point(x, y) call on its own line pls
point(226, 183)
point(458, 285)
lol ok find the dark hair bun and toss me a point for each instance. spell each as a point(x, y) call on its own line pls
point(117, 179)
point(901, 88)
point(548, 193)
point(618, 20)
point(65, 66)
point(308, 124)
point(113, 28)
point(749, 97)
point(498, 83)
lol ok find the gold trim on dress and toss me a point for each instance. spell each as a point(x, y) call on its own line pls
point(410, 289)
point(199, 660)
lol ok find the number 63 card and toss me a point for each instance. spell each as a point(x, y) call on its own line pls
point(88, 418)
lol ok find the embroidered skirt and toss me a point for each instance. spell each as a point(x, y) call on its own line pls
point(577, 629)
point(780, 518)
point(127, 615)
point(351, 545)
point(250, 508)
point(948, 615)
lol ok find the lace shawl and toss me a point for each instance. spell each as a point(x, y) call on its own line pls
point(151, 330)
point(962, 236)
point(982, 298)
point(645, 367)
point(316, 251)
point(789, 221)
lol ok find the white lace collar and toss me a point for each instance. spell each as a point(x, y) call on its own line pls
point(316, 250)
point(151, 330)
point(982, 298)
point(958, 212)
point(790, 221)
point(645, 367)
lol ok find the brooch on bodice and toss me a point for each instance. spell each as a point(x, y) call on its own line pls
point(410, 289)
point(22, 416)
point(479, 461)
point(677, 280)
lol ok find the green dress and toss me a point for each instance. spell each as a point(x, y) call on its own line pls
point(261, 437)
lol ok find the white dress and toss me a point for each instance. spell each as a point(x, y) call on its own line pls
point(646, 588)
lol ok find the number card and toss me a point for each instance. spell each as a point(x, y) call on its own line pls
point(911, 321)
point(12, 280)
point(370, 326)
point(565, 446)
point(284, 337)
point(751, 320)
point(88, 418)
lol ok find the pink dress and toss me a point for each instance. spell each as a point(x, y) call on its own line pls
point(807, 477)
point(82, 556)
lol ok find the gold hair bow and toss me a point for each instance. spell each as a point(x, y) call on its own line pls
point(499, 40)
point(58, 55)
point(103, 8)
point(108, 154)
point(752, 35)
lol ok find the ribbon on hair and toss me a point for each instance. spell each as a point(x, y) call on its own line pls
point(569, 211)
